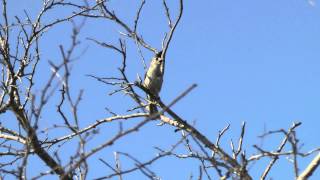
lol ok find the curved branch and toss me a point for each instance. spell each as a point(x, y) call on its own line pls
point(172, 30)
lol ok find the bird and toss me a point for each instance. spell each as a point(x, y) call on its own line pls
point(153, 80)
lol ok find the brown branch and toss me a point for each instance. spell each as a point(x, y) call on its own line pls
point(310, 169)
point(131, 32)
point(182, 124)
point(281, 146)
point(167, 13)
point(172, 30)
point(107, 143)
point(94, 125)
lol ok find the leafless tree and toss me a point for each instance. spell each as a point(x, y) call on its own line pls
point(25, 133)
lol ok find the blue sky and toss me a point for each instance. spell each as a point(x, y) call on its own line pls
point(254, 61)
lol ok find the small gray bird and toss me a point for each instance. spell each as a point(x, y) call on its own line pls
point(153, 80)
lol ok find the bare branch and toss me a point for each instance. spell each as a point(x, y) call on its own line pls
point(310, 169)
point(282, 144)
point(170, 35)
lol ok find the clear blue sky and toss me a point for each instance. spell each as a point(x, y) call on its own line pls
point(254, 61)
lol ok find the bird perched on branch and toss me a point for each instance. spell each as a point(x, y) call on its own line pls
point(153, 80)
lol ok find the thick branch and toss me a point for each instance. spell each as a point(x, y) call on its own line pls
point(310, 169)
point(182, 124)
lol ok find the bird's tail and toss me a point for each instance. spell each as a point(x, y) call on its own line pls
point(152, 107)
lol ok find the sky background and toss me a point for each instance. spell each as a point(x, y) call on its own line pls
point(253, 61)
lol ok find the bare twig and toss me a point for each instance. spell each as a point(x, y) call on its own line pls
point(281, 146)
